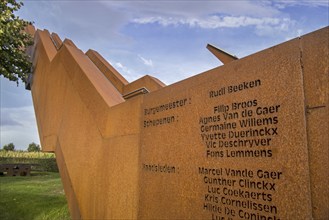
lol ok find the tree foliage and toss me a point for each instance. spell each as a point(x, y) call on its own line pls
point(9, 147)
point(14, 62)
point(33, 147)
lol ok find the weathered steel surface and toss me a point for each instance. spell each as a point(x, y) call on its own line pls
point(262, 120)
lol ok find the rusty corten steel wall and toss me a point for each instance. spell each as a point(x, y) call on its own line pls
point(106, 143)
point(83, 118)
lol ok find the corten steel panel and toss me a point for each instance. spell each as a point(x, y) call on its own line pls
point(179, 143)
point(56, 40)
point(67, 184)
point(150, 83)
point(223, 56)
point(53, 107)
point(314, 52)
point(43, 54)
point(104, 143)
point(97, 93)
point(75, 100)
point(111, 74)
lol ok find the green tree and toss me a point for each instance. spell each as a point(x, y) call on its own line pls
point(14, 62)
point(33, 147)
point(9, 147)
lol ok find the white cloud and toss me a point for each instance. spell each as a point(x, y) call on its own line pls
point(123, 68)
point(281, 4)
point(147, 62)
point(129, 74)
point(192, 8)
point(203, 14)
point(119, 65)
point(263, 25)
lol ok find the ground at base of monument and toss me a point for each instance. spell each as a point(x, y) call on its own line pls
point(39, 196)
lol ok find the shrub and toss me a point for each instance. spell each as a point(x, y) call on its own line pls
point(44, 161)
point(9, 147)
point(33, 147)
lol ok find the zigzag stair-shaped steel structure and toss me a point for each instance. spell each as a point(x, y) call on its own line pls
point(106, 131)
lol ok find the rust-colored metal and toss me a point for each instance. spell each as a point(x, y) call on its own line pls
point(222, 55)
point(143, 150)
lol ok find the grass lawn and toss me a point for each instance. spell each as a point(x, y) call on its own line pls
point(39, 196)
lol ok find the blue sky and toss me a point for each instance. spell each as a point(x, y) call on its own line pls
point(165, 39)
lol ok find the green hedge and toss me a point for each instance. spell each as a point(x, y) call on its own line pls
point(43, 164)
